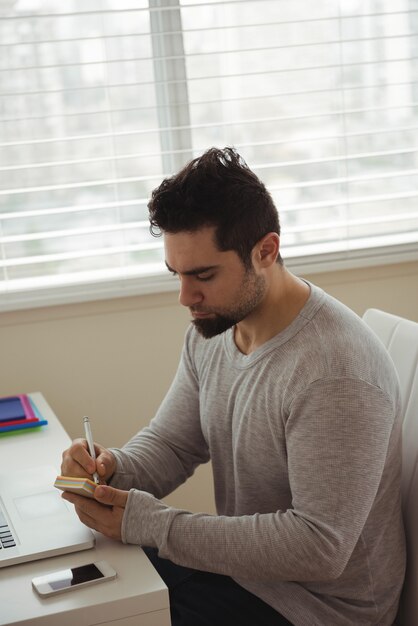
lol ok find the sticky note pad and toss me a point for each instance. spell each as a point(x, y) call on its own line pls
point(80, 486)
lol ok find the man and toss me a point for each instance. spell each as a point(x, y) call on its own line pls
point(295, 402)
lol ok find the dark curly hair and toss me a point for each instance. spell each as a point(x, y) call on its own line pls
point(216, 189)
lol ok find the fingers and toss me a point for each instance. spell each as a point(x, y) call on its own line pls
point(105, 463)
point(76, 461)
point(111, 496)
point(101, 516)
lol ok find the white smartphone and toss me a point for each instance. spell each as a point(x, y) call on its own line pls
point(73, 578)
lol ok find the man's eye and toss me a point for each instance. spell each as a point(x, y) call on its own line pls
point(205, 278)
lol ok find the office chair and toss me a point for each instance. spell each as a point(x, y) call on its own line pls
point(400, 337)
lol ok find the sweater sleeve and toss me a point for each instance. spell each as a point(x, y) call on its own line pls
point(337, 437)
point(164, 454)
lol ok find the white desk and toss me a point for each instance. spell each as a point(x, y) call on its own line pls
point(137, 597)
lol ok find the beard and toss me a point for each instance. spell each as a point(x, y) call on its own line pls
point(214, 326)
point(251, 291)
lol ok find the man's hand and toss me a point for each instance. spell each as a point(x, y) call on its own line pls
point(76, 461)
point(104, 513)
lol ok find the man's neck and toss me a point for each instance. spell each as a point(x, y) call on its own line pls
point(285, 298)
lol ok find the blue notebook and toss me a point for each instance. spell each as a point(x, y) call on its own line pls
point(11, 409)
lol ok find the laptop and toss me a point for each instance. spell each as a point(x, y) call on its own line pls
point(35, 522)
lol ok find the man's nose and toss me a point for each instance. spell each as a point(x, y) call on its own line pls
point(189, 294)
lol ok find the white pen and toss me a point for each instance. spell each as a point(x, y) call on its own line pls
point(90, 443)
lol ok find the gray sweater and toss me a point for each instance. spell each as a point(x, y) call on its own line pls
point(304, 435)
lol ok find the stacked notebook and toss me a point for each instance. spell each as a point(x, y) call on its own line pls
point(19, 413)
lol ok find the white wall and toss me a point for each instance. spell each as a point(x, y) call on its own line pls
point(114, 359)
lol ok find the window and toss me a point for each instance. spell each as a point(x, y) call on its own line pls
point(103, 98)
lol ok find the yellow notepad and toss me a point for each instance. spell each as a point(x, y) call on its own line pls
point(80, 486)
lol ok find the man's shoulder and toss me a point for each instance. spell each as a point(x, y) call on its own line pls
point(345, 346)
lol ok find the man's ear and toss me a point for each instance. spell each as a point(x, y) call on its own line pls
point(266, 250)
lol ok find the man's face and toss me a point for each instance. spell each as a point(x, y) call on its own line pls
point(216, 287)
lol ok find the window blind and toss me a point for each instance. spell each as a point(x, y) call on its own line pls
point(101, 99)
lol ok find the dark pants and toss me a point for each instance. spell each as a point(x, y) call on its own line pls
point(205, 599)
